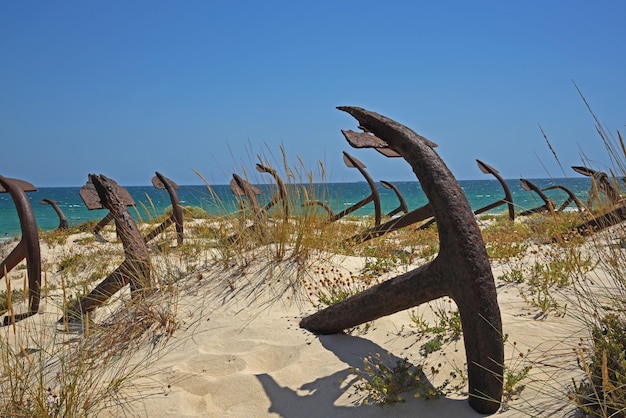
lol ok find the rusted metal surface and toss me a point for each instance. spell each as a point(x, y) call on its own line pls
point(600, 183)
point(136, 268)
point(402, 207)
point(59, 212)
point(28, 247)
point(92, 200)
point(374, 196)
point(281, 195)
point(161, 182)
point(548, 204)
point(507, 200)
point(571, 198)
point(416, 215)
point(425, 212)
point(461, 270)
point(241, 187)
point(612, 217)
point(508, 197)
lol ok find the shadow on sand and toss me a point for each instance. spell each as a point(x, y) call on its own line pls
point(322, 393)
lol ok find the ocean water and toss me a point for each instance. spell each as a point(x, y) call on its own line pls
point(151, 202)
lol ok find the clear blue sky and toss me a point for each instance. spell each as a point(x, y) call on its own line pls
point(126, 88)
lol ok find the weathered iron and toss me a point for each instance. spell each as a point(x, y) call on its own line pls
point(507, 200)
point(402, 207)
point(136, 269)
point(374, 196)
point(571, 198)
point(92, 200)
point(461, 270)
point(281, 195)
point(161, 182)
point(597, 223)
point(59, 212)
point(600, 183)
point(425, 212)
point(27, 248)
point(242, 188)
point(548, 204)
point(508, 197)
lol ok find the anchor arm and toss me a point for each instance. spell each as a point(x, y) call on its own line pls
point(461, 269)
point(28, 248)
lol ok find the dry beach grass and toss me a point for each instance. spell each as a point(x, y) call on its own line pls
point(220, 336)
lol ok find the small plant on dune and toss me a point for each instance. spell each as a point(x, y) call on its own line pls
point(603, 393)
point(445, 327)
point(386, 384)
point(334, 286)
point(516, 371)
point(602, 355)
point(15, 295)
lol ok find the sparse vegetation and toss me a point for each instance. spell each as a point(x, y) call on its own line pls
point(77, 374)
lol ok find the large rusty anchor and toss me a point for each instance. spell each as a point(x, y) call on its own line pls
point(374, 196)
point(242, 188)
point(59, 212)
point(461, 270)
point(600, 183)
point(508, 197)
point(402, 206)
point(136, 267)
point(507, 200)
point(571, 198)
point(27, 248)
point(281, 195)
point(161, 182)
point(548, 204)
point(425, 212)
point(93, 201)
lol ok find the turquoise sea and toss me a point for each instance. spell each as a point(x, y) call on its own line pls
point(151, 202)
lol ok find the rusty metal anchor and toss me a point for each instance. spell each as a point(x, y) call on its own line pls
point(242, 188)
point(281, 196)
point(161, 182)
point(374, 196)
point(461, 270)
point(600, 183)
point(548, 204)
point(425, 212)
point(402, 207)
point(27, 248)
point(507, 200)
point(93, 201)
point(101, 191)
point(59, 212)
point(508, 197)
point(571, 198)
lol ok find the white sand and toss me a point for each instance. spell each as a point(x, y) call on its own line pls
point(241, 353)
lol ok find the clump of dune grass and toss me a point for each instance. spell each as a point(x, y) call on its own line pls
point(103, 362)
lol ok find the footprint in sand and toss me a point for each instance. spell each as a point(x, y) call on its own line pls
point(215, 365)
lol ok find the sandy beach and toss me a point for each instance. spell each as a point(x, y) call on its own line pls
point(238, 349)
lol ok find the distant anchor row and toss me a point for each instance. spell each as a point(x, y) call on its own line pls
point(461, 270)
